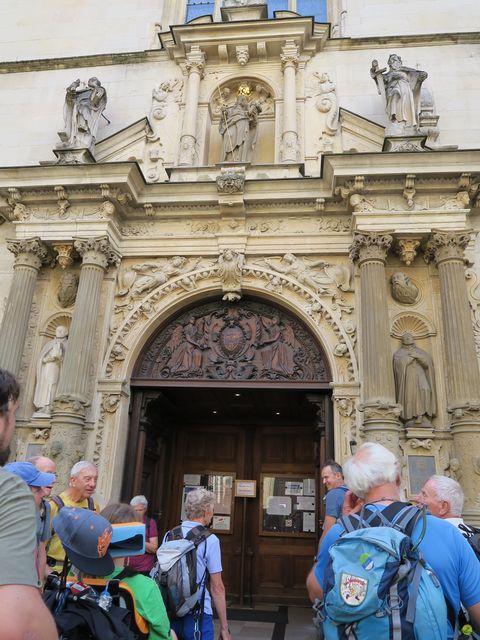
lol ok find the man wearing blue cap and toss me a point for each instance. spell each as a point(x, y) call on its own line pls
point(38, 484)
point(22, 611)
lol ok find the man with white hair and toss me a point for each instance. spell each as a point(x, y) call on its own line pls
point(82, 485)
point(444, 498)
point(373, 478)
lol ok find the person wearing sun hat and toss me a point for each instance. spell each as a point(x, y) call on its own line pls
point(38, 482)
point(85, 535)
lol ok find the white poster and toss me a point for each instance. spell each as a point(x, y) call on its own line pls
point(293, 488)
point(221, 523)
point(308, 521)
point(306, 503)
point(191, 478)
point(279, 506)
point(309, 487)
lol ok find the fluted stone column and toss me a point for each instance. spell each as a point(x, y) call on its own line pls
point(463, 375)
point(195, 66)
point(290, 58)
point(381, 413)
point(72, 400)
point(30, 254)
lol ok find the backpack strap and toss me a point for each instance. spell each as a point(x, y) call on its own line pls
point(58, 501)
point(91, 503)
point(198, 534)
point(175, 534)
point(399, 515)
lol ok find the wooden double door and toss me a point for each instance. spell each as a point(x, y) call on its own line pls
point(266, 533)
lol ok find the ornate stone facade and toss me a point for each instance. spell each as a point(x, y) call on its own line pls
point(284, 263)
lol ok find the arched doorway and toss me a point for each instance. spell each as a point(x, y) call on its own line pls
point(230, 392)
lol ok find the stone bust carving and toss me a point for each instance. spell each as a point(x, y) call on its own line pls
point(48, 371)
point(403, 289)
point(414, 383)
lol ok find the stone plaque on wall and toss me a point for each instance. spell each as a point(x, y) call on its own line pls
point(420, 468)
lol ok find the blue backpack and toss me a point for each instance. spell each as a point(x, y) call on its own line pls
point(377, 585)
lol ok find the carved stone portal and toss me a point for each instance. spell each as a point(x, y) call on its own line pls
point(244, 341)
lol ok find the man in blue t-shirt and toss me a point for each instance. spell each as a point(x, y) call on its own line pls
point(332, 478)
point(373, 478)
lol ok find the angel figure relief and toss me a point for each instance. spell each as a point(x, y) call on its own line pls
point(277, 348)
point(186, 347)
point(230, 265)
point(305, 273)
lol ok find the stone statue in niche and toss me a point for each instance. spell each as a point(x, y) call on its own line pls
point(403, 289)
point(48, 371)
point(414, 383)
point(230, 271)
point(84, 106)
point(238, 128)
point(400, 87)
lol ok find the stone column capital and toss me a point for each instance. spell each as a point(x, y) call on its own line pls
point(29, 252)
point(97, 252)
point(370, 247)
point(290, 56)
point(195, 61)
point(447, 245)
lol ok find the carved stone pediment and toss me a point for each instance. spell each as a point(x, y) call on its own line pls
point(243, 341)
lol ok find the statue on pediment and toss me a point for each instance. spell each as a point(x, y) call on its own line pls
point(84, 106)
point(400, 87)
point(48, 371)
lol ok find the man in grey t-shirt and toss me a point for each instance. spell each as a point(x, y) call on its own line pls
point(18, 575)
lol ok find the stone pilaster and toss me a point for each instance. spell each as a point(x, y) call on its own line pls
point(72, 400)
point(30, 255)
point(381, 413)
point(290, 59)
point(463, 375)
point(195, 66)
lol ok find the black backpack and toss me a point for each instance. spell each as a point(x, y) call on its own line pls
point(472, 534)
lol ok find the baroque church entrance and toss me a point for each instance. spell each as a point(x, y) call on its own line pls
point(228, 393)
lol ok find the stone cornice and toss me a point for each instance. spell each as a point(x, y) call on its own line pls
point(156, 55)
point(86, 61)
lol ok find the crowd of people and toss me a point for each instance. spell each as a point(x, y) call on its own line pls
point(42, 533)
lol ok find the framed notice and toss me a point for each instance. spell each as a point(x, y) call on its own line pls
point(287, 506)
point(221, 484)
point(245, 488)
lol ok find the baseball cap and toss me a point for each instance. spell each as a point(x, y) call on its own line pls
point(85, 535)
point(30, 474)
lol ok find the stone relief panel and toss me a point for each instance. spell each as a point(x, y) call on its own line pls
point(333, 314)
point(404, 289)
point(246, 341)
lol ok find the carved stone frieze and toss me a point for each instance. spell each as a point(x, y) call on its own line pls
point(241, 342)
point(407, 249)
point(327, 102)
point(108, 406)
point(416, 443)
point(118, 353)
point(242, 54)
point(370, 246)
point(361, 204)
point(447, 245)
point(41, 434)
point(413, 323)
point(337, 225)
point(72, 405)
point(160, 96)
point(97, 251)
point(381, 411)
point(460, 200)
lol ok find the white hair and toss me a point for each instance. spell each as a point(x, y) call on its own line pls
point(78, 467)
point(139, 500)
point(371, 466)
point(449, 490)
point(197, 502)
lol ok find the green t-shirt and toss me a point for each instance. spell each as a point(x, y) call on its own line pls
point(149, 603)
point(17, 532)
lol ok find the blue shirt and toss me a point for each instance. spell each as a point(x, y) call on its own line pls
point(208, 557)
point(334, 501)
point(445, 550)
